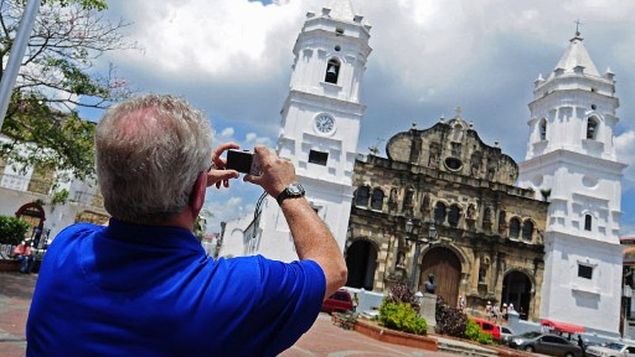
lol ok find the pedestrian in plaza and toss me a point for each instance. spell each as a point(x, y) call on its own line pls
point(496, 314)
point(24, 255)
point(143, 285)
point(504, 312)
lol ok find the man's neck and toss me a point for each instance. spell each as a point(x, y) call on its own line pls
point(182, 220)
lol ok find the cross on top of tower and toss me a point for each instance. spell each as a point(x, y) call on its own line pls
point(458, 111)
point(577, 36)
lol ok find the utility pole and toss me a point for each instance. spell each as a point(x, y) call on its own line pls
point(17, 53)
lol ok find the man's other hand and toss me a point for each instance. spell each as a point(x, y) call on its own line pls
point(277, 174)
point(217, 174)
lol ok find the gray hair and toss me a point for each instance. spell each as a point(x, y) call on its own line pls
point(149, 152)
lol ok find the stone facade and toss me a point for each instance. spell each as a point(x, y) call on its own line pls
point(445, 180)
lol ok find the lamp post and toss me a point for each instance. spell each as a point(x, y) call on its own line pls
point(413, 237)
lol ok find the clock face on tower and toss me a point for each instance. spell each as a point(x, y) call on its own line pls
point(324, 123)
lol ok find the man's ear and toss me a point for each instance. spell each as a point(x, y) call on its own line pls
point(197, 197)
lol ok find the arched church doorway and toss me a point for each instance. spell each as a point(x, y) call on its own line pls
point(446, 268)
point(517, 291)
point(33, 214)
point(361, 261)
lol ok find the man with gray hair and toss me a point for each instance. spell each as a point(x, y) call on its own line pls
point(143, 285)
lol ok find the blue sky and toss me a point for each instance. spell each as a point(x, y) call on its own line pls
point(232, 58)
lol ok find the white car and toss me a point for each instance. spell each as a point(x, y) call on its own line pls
point(613, 349)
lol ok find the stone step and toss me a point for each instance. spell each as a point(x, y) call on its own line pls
point(465, 349)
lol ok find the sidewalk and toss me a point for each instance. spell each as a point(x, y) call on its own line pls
point(15, 297)
point(323, 339)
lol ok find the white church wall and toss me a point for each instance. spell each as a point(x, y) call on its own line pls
point(595, 301)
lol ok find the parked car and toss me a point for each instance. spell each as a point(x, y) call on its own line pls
point(613, 349)
point(548, 344)
point(489, 328)
point(506, 334)
point(340, 301)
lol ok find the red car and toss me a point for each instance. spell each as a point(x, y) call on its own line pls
point(489, 328)
point(340, 301)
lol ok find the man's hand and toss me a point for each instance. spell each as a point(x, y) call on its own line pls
point(277, 174)
point(217, 174)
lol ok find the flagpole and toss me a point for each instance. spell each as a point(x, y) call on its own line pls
point(16, 54)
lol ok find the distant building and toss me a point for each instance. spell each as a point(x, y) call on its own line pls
point(444, 203)
point(571, 158)
point(627, 317)
point(30, 193)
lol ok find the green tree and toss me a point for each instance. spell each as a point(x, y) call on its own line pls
point(12, 230)
point(56, 79)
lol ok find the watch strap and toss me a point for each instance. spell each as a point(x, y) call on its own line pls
point(286, 193)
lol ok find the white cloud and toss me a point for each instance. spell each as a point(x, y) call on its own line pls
point(231, 40)
point(250, 137)
point(625, 147)
point(227, 132)
point(233, 58)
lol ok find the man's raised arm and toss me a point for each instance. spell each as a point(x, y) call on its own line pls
point(312, 238)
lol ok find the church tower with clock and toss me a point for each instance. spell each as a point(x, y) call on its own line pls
point(321, 119)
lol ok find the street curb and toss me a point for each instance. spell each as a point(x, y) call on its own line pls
point(391, 336)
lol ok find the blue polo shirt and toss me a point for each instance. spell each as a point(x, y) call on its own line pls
point(138, 290)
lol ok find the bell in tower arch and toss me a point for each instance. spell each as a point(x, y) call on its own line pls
point(332, 71)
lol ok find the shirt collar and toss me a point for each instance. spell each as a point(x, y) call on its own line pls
point(152, 235)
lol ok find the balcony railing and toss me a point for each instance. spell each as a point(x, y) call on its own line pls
point(25, 184)
point(22, 183)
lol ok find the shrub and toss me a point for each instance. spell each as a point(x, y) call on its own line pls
point(401, 293)
point(402, 317)
point(450, 321)
point(12, 230)
point(473, 332)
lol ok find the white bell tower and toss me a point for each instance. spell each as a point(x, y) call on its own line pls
point(321, 119)
point(571, 162)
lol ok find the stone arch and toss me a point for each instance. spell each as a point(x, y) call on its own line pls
point(446, 266)
point(361, 196)
point(440, 211)
point(361, 261)
point(465, 262)
point(455, 213)
point(527, 230)
point(515, 226)
point(542, 129)
point(377, 199)
point(332, 70)
point(592, 127)
point(33, 214)
point(519, 288)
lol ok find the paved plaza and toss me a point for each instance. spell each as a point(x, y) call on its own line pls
point(324, 339)
point(15, 297)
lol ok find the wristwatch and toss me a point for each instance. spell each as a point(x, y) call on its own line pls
point(294, 190)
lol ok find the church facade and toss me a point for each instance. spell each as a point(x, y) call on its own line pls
point(444, 203)
point(541, 235)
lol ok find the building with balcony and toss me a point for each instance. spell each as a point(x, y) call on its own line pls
point(35, 194)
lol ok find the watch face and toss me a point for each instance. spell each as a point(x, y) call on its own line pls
point(324, 123)
point(296, 189)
